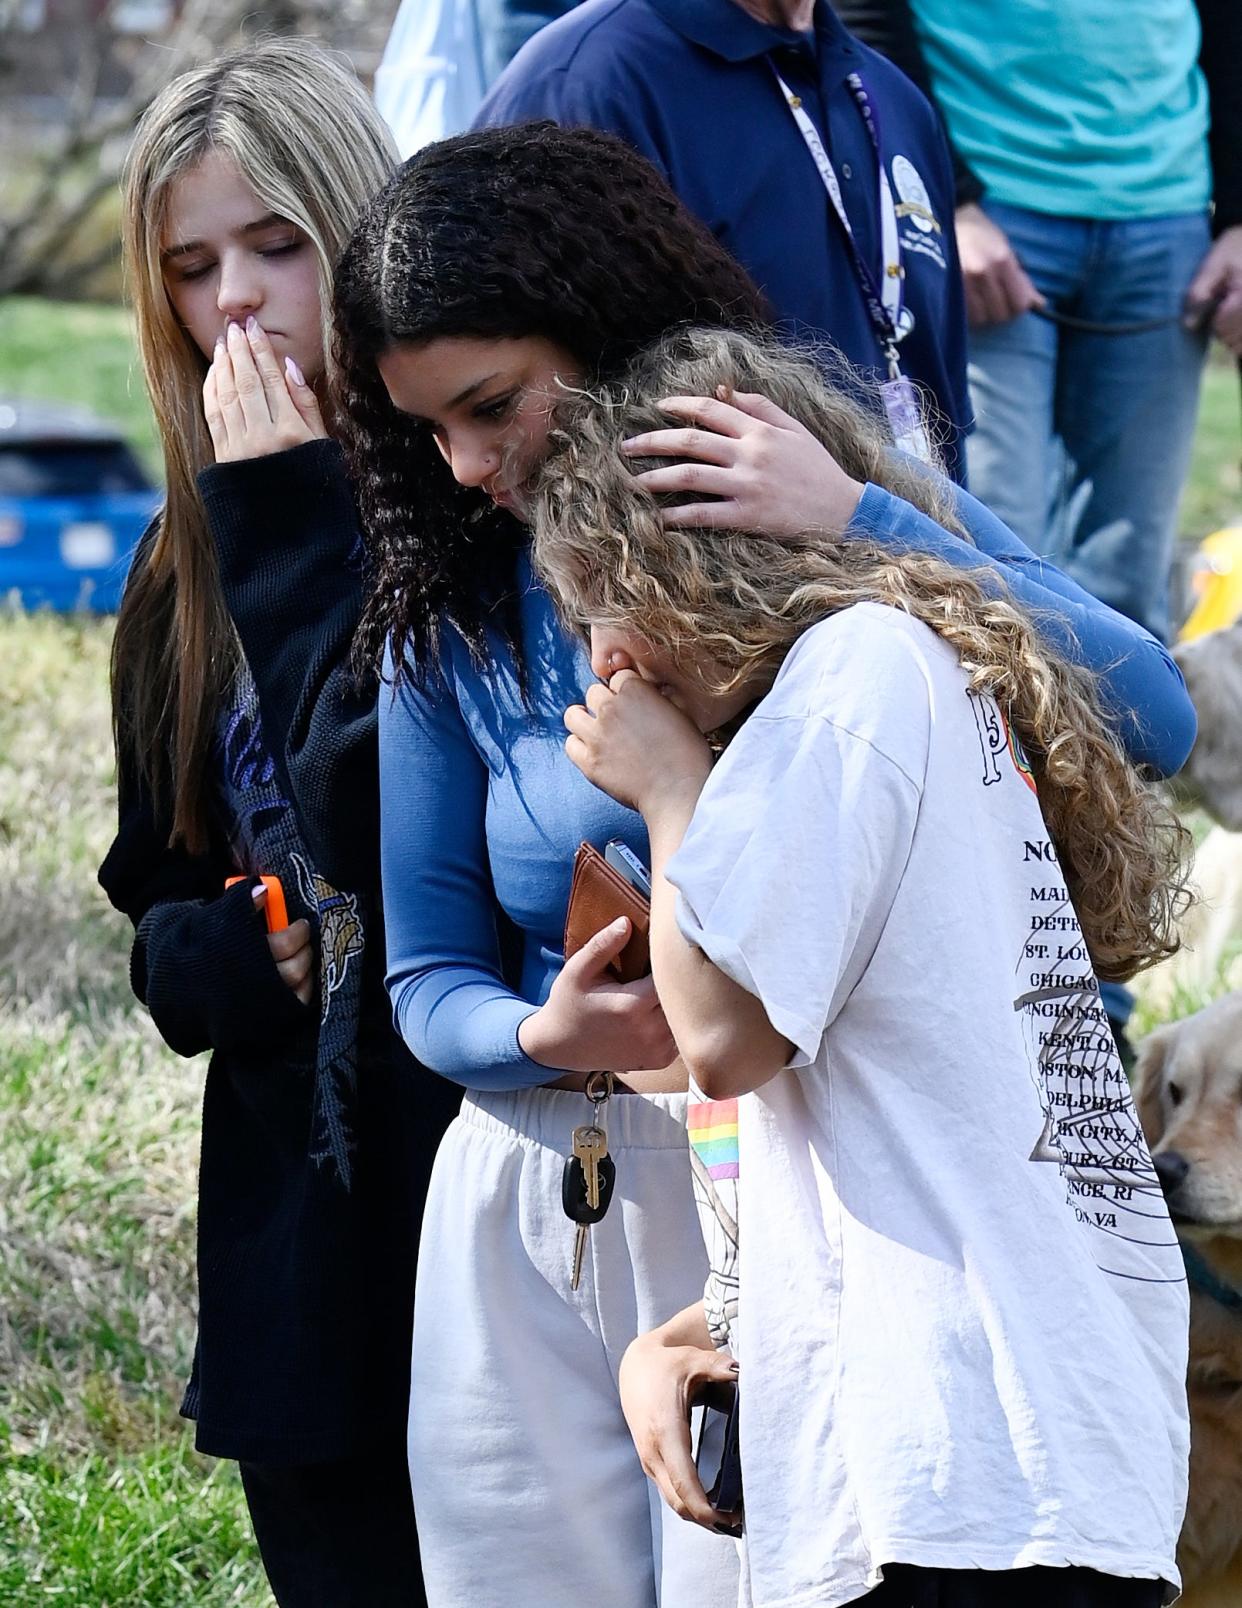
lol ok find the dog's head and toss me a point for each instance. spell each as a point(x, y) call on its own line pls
point(1188, 1089)
point(1212, 777)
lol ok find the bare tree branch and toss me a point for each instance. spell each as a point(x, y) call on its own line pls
point(46, 249)
point(75, 276)
point(38, 231)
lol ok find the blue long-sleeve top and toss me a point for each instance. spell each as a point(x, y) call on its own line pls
point(481, 811)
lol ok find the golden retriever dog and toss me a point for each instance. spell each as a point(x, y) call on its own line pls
point(1188, 1087)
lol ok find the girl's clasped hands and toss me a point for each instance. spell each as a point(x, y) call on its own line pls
point(253, 405)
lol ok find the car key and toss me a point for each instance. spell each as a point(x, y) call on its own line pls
point(586, 1188)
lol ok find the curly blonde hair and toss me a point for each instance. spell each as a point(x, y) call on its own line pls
point(742, 598)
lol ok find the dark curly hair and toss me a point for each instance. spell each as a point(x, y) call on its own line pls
point(532, 230)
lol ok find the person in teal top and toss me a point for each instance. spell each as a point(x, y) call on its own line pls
point(1097, 150)
point(1090, 110)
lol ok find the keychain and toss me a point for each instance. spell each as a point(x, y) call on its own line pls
point(590, 1172)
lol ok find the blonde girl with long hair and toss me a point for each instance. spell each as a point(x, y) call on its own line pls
point(238, 731)
point(943, 1271)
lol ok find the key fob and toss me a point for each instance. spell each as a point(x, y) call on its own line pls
point(574, 1192)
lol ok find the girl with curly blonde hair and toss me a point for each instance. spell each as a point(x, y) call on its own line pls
point(941, 1257)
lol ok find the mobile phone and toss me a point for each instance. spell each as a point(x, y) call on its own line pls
point(624, 861)
point(274, 910)
point(717, 1455)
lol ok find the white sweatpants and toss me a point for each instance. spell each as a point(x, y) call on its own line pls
point(528, 1491)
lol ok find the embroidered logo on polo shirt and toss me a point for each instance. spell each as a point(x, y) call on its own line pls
point(920, 226)
point(915, 201)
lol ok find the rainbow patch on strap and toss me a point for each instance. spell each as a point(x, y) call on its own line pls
point(712, 1126)
point(1017, 754)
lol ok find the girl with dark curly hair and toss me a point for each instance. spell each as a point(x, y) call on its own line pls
point(492, 273)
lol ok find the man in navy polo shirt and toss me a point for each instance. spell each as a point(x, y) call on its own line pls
point(710, 91)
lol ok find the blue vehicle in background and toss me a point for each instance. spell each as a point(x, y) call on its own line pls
point(74, 499)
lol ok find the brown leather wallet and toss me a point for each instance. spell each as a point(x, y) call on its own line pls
point(597, 896)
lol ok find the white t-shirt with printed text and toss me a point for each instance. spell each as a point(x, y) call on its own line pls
point(961, 1309)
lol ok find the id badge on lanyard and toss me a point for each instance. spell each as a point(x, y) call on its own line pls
point(884, 302)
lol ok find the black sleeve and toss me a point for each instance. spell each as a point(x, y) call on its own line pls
point(1221, 59)
point(888, 26)
point(200, 961)
point(286, 534)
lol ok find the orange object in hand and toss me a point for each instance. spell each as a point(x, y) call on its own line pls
point(275, 911)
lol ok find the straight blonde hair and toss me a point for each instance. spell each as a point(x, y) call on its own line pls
point(307, 139)
point(743, 598)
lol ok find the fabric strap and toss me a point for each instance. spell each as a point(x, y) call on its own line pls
point(1202, 1278)
point(885, 300)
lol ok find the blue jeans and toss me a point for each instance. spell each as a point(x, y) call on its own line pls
point(1082, 442)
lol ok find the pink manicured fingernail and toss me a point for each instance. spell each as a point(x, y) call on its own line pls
point(294, 372)
point(219, 344)
point(252, 325)
point(234, 328)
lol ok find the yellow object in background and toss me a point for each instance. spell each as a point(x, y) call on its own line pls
point(1216, 584)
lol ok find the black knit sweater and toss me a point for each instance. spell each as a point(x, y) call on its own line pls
point(315, 1155)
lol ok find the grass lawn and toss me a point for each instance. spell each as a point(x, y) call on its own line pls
point(103, 1503)
point(77, 352)
point(1213, 495)
point(102, 1500)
